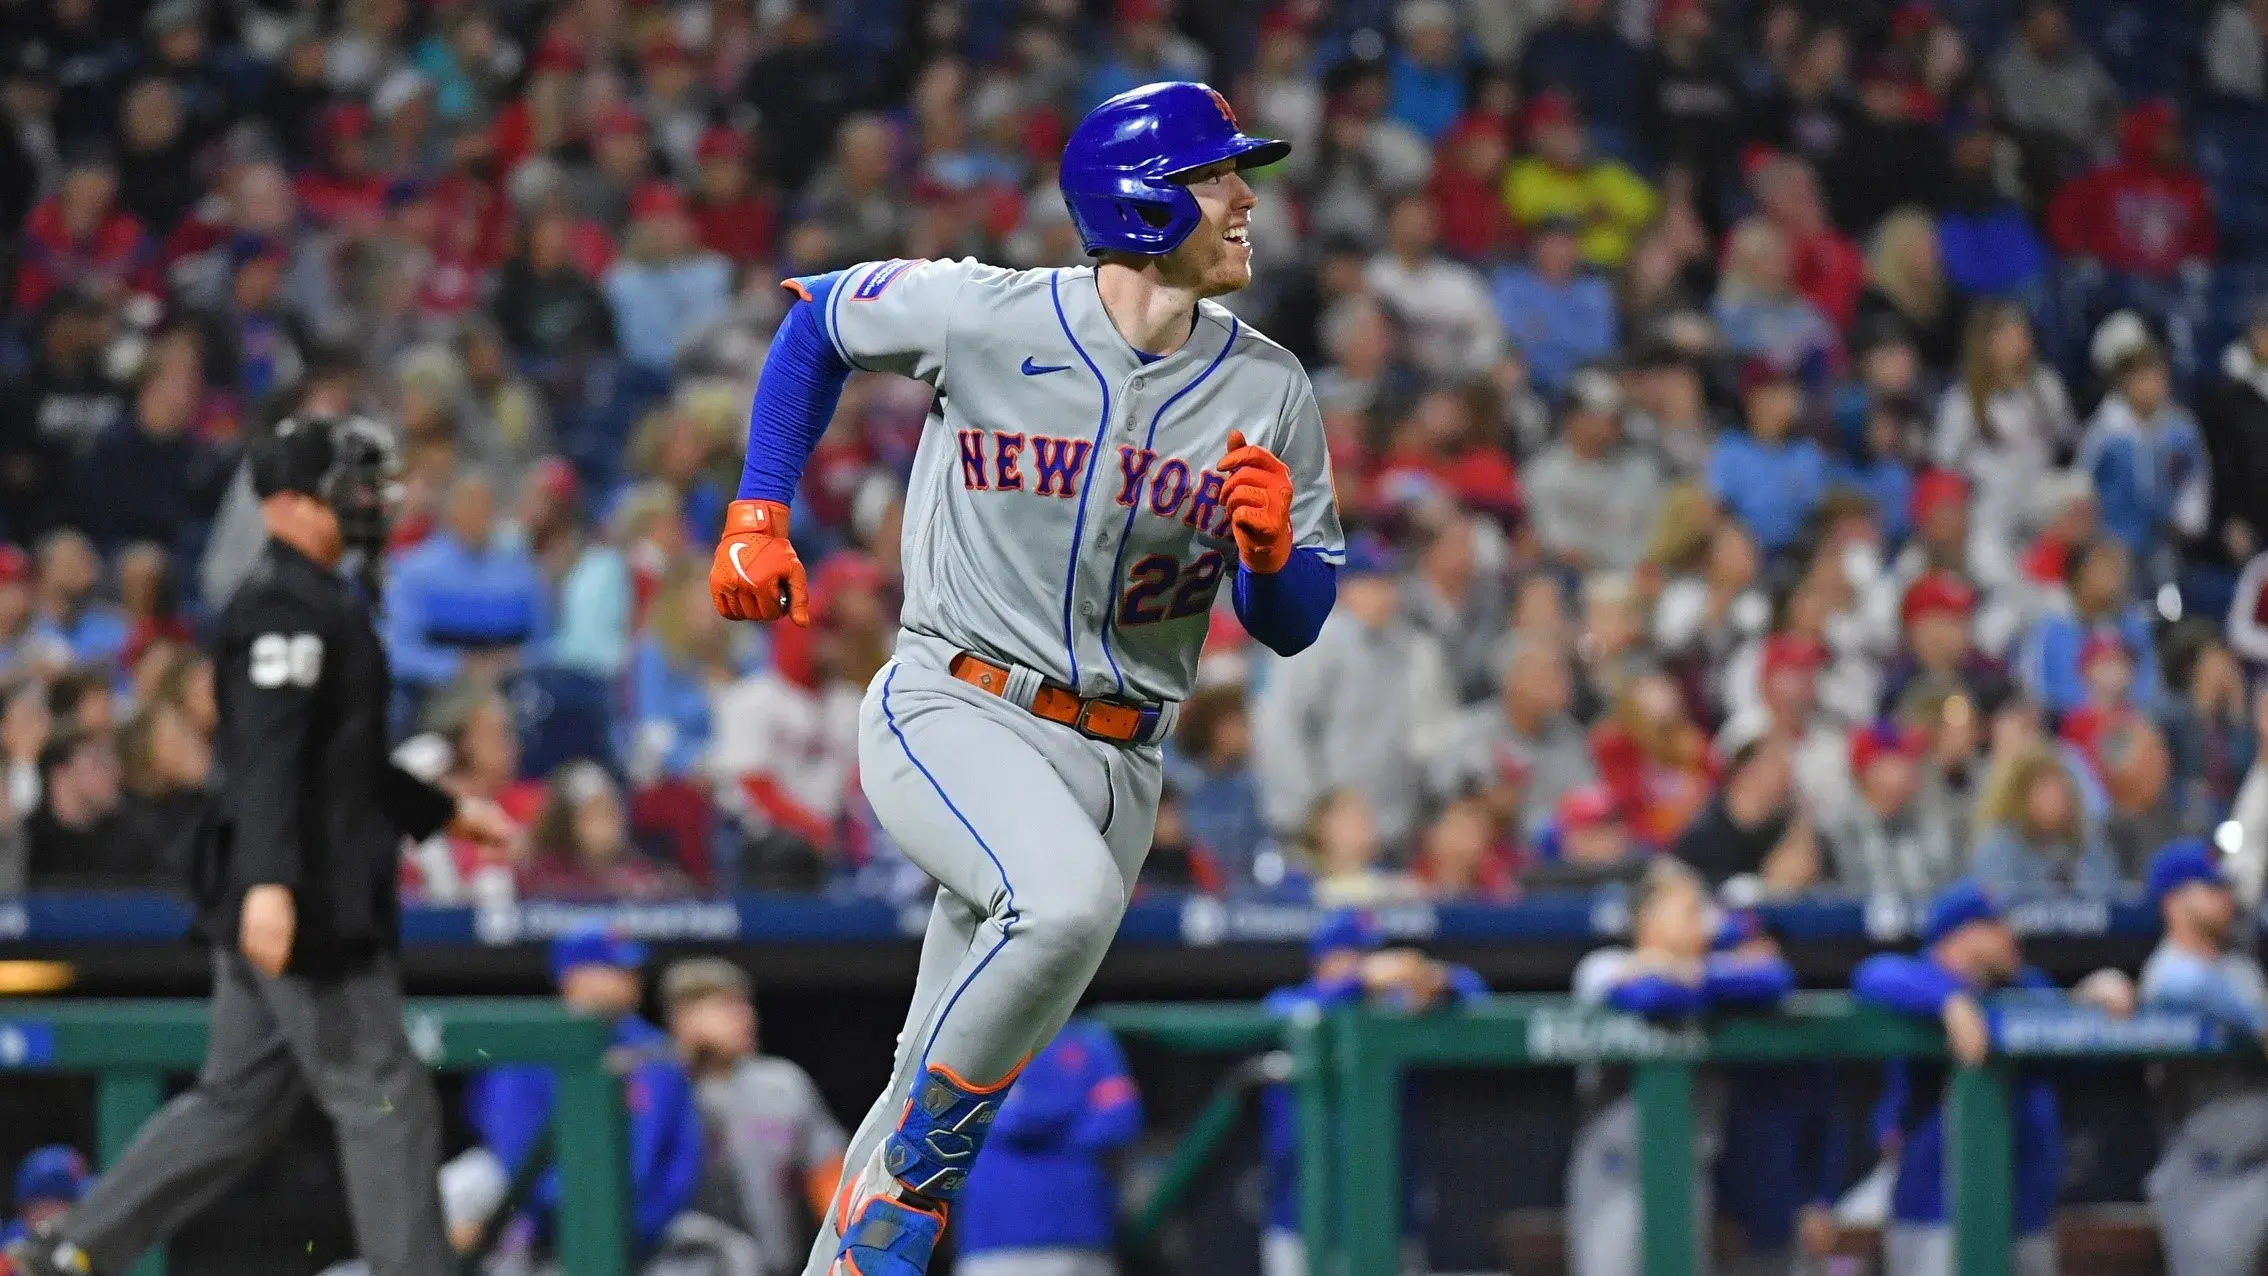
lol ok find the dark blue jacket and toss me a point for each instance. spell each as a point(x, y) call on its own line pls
point(510, 1105)
point(1915, 1099)
point(1041, 1182)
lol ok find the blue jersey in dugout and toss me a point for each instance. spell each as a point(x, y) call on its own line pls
point(1042, 1182)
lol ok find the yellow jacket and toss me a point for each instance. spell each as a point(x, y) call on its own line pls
point(1607, 201)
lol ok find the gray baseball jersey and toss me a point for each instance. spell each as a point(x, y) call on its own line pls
point(1064, 513)
point(2210, 1186)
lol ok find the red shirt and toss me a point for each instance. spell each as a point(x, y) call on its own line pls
point(1474, 222)
point(741, 231)
point(1481, 478)
point(116, 252)
point(2135, 218)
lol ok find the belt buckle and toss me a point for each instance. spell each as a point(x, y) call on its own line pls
point(1086, 707)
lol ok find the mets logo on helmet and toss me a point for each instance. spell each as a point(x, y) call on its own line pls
point(1222, 103)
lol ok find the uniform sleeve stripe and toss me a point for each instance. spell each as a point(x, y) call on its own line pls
point(1335, 557)
point(828, 319)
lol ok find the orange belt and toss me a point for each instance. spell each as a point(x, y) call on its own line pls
point(1113, 720)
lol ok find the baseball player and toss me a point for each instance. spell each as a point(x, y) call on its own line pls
point(1107, 450)
point(1669, 972)
point(2210, 1187)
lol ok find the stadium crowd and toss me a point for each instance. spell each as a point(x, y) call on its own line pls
point(1825, 443)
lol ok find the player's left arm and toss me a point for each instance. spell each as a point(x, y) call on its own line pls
point(1285, 519)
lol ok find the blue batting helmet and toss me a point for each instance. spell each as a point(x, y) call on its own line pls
point(1119, 166)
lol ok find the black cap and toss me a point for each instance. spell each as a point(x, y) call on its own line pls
point(294, 458)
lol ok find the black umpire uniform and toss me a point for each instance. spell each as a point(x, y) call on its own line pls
point(306, 797)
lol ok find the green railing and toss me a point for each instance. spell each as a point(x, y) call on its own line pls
point(132, 1046)
point(1349, 1069)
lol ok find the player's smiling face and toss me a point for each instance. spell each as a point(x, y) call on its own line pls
point(1217, 256)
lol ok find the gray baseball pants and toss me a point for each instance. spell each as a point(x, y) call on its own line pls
point(1034, 833)
point(274, 1040)
point(2210, 1189)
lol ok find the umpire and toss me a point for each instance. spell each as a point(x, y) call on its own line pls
point(294, 878)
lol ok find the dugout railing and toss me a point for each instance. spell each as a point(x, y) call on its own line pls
point(1348, 1067)
point(132, 1047)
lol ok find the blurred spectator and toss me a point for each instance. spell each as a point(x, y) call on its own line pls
point(800, 87)
point(774, 1151)
point(1561, 181)
point(1969, 955)
point(2095, 601)
point(49, 1181)
point(2146, 214)
point(2235, 66)
point(2232, 417)
point(1212, 770)
point(80, 238)
point(1594, 849)
point(1178, 860)
point(2211, 737)
point(464, 602)
point(549, 309)
point(1522, 752)
point(1607, 641)
point(157, 180)
point(2033, 837)
point(681, 661)
point(730, 216)
point(2143, 451)
point(167, 761)
point(1428, 69)
point(1757, 305)
point(1824, 265)
point(666, 286)
point(1457, 600)
point(1467, 189)
point(1045, 1195)
point(1938, 658)
point(1669, 413)
point(1906, 289)
point(1583, 56)
point(148, 477)
point(1340, 842)
point(853, 202)
point(1770, 482)
point(581, 846)
point(1991, 248)
point(51, 416)
point(72, 839)
point(597, 974)
point(1895, 157)
point(1899, 838)
point(1654, 761)
point(1461, 858)
point(1690, 103)
point(2002, 424)
point(473, 721)
point(1556, 316)
point(1591, 497)
point(1144, 48)
point(26, 649)
point(1752, 825)
point(1810, 114)
point(69, 610)
point(1444, 306)
point(1444, 448)
point(2051, 86)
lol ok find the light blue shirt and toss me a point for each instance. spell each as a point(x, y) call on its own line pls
point(655, 307)
point(442, 597)
point(2226, 989)
point(595, 600)
point(1558, 327)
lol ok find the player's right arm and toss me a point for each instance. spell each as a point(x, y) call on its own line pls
point(891, 316)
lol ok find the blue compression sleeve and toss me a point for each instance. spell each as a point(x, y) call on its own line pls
point(1915, 985)
point(1746, 981)
point(1286, 609)
point(795, 398)
point(1656, 997)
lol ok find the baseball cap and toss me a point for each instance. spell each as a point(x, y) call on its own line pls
point(1935, 592)
point(1347, 928)
point(1588, 807)
point(53, 1173)
point(656, 199)
point(1792, 651)
point(1758, 372)
point(1935, 490)
point(1367, 555)
point(720, 142)
point(2181, 862)
point(594, 946)
point(1958, 905)
point(1879, 740)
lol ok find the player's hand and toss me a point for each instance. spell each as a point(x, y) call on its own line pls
point(265, 927)
point(756, 575)
point(482, 823)
point(1258, 494)
point(2109, 990)
point(1966, 1033)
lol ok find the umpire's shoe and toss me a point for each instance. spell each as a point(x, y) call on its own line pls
point(43, 1253)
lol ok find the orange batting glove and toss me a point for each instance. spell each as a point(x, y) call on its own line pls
point(756, 575)
point(1258, 496)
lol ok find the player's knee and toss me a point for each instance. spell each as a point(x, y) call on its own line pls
point(1078, 921)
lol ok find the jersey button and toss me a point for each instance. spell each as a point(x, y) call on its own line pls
point(1086, 609)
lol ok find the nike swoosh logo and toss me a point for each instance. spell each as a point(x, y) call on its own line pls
point(1041, 369)
point(734, 554)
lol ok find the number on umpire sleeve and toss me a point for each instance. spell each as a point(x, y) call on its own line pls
point(278, 659)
